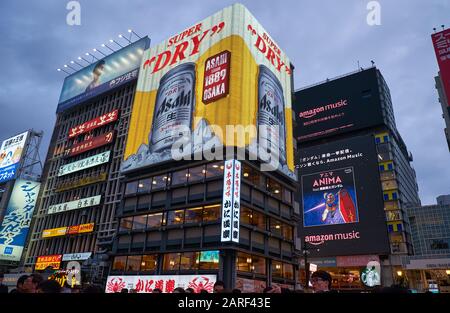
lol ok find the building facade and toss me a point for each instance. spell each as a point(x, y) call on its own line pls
point(445, 107)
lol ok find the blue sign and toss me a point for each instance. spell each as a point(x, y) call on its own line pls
point(17, 220)
point(110, 72)
point(8, 173)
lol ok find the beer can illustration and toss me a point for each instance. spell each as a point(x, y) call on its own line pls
point(271, 116)
point(174, 106)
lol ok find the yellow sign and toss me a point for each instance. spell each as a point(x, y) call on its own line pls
point(54, 232)
point(81, 182)
point(225, 71)
point(68, 230)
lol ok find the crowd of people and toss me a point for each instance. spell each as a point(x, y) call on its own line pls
point(35, 283)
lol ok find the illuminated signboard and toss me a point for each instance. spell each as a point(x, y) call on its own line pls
point(103, 75)
point(342, 199)
point(81, 182)
point(209, 256)
point(68, 230)
point(90, 144)
point(74, 205)
point(16, 222)
point(11, 152)
point(223, 72)
point(94, 123)
point(167, 283)
point(45, 261)
point(77, 256)
point(231, 201)
point(83, 164)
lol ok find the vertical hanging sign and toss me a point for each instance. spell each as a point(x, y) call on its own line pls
point(236, 201)
point(231, 201)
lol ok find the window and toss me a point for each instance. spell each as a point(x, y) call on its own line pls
point(189, 261)
point(139, 222)
point(133, 263)
point(287, 232)
point(381, 167)
point(274, 188)
point(196, 173)
point(377, 140)
point(159, 181)
point(193, 215)
point(390, 166)
point(259, 220)
point(394, 196)
point(144, 185)
point(287, 195)
point(126, 223)
point(277, 269)
point(179, 177)
point(172, 261)
point(154, 220)
point(288, 271)
point(251, 175)
point(249, 263)
point(175, 217)
point(119, 263)
point(211, 213)
point(149, 262)
point(131, 188)
point(214, 169)
point(246, 216)
point(275, 226)
point(209, 260)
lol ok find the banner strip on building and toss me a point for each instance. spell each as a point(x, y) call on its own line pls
point(74, 205)
point(90, 144)
point(83, 164)
point(94, 123)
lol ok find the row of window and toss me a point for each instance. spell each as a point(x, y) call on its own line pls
point(200, 260)
point(210, 213)
point(199, 173)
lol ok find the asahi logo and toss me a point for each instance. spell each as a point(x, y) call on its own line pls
point(180, 101)
point(265, 104)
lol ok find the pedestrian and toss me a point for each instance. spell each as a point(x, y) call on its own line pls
point(178, 290)
point(3, 288)
point(49, 286)
point(190, 290)
point(19, 285)
point(219, 287)
point(124, 290)
point(156, 290)
point(92, 289)
point(321, 281)
point(204, 291)
point(32, 282)
point(272, 289)
point(236, 290)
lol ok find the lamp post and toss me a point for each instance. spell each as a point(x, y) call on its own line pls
point(305, 252)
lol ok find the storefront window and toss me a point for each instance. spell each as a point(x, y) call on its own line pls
point(139, 222)
point(275, 226)
point(193, 215)
point(209, 260)
point(251, 175)
point(277, 269)
point(248, 263)
point(126, 223)
point(159, 181)
point(189, 261)
point(119, 263)
point(131, 188)
point(179, 177)
point(144, 185)
point(133, 262)
point(288, 271)
point(258, 265)
point(211, 213)
point(154, 220)
point(172, 261)
point(196, 173)
point(149, 262)
point(175, 217)
point(274, 188)
point(214, 169)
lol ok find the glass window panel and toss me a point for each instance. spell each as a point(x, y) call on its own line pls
point(251, 175)
point(274, 188)
point(154, 220)
point(287, 231)
point(209, 260)
point(172, 261)
point(119, 263)
point(126, 223)
point(131, 188)
point(287, 195)
point(133, 262)
point(288, 271)
point(259, 220)
point(211, 213)
point(243, 262)
point(196, 173)
point(214, 169)
point(144, 185)
point(175, 217)
point(159, 181)
point(246, 216)
point(139, 222)
point(275, 226)
point(193, 215)
point(149, 262)
point(189, 260)
point(277, 269)
point(258, 265)
point(179, 177)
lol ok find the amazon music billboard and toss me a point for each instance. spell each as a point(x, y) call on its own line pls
point(341, 198)
point(338, 106)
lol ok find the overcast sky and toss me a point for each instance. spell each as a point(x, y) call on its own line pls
point(323, 39)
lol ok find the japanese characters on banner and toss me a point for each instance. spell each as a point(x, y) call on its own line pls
point(81, 182)
point(166, 283)
point(45, 261)
point(231, 201)
point(10, 155)
point(76, 256)
point(84, 163)
point(94, 123)
point(68, 230)
point(74, 205)
point(441, 43)
point(90, 144)
point(16, 223)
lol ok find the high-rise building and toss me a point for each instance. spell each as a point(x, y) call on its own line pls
point(345, 121)
point(429, 267)
point(444, 104)
point(75, 216)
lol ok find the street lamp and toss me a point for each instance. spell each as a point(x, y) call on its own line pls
point(399, 273)
point(305, 252)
